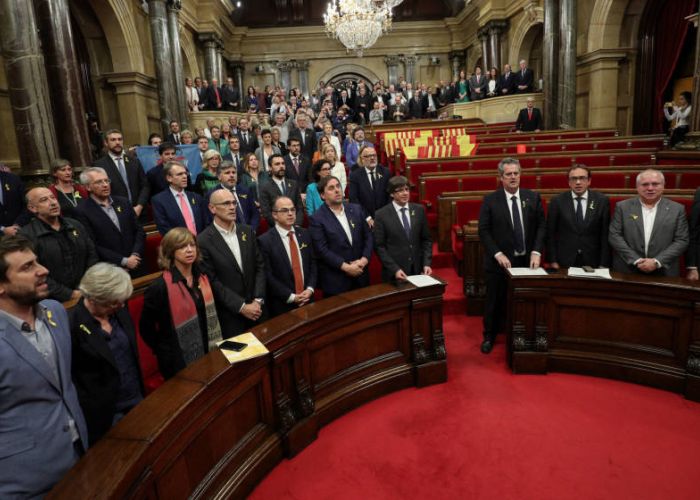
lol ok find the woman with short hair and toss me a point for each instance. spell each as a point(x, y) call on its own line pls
point(207, 178)
point(69, 193)
point(322, 168)
point(105, 366)
point(179, 321)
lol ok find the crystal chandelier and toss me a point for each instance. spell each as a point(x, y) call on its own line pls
point(358, 23)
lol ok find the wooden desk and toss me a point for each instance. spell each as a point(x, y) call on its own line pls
point(215, 429)
point(635, 328)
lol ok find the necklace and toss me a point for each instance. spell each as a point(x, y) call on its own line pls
point(71, 198)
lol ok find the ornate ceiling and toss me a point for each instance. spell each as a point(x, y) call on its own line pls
point(271, 13)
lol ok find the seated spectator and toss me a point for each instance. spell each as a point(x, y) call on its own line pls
point(681, 114)
point(207, 178)
point(253, 177)
point(62, 245)
point(11, 202)
point(376, 116)
point(176, 207)
point(529, 118)
point(493, 86)
point(105, 367)
point(68, 193)
point(179, 321)
point(247, 211)
point(266, 149)
point(322, 168)
point(290, 266)
point(111, 222)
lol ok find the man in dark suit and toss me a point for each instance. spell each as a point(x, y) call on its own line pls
point(401, 235)
point(127, 175)
point(529, 118)
point(156, 175)
point(342, 240)
point(398, 112)
point(418, 104)
point(290, 266)
point(231, 97)
point(246, 138)
point(279, 185)
point(246, 211)
point(577, 224)
point(176, 207)
point(506, 82)
point(296, 165)
point(234, 154)
point(213, 98)
point(648, 233)
point(367, 185)
point(512, 232)
point(174, 136)
point(524, 79)
point(232, 260)
point(43, 431)
point(11, 202)
point(111, 222)
point(305, 135)
point(477, 85)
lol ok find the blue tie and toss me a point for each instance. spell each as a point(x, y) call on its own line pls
point(519, 239)
point(406, 224)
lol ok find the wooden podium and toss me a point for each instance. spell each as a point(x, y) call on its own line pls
point(635, 328)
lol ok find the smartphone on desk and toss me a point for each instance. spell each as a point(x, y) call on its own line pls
point(230, 345)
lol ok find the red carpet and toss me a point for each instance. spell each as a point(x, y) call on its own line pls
point(489, 434)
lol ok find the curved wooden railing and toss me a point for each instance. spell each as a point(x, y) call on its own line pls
point(214, 430)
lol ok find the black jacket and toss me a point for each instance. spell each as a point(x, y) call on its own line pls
point(138, 184)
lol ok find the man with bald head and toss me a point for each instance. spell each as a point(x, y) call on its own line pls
point(648, 233)
point(62, 245)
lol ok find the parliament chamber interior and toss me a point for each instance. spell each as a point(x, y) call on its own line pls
point(355, 249)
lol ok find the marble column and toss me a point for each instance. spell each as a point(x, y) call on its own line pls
point(65, 89)
point(238, 69)
point(28, 90)
point(409, 63)
point(392, 68)
point(567, 64)
point(457, 60)
point(550, 64)
point(483, 35)
point(174, 7)
point(210, 42)
point(285, 69)
point(303, 72)
point(495, 30)
point(162, 50)
point(221, 65)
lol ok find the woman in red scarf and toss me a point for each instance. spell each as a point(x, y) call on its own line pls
point(179, 320)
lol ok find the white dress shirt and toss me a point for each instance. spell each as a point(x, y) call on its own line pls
point(398, 209)
point(584, 202)
point(343, 219)
point(231, 240)
point(648, 218)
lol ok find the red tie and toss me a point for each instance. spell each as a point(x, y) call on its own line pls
point(296, 264)
point(218, 98)
point(529, 114)
point(189, 221)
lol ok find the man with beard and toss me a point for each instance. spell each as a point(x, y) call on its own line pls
point(279, 185)
point(63, 245)
point(43, 430)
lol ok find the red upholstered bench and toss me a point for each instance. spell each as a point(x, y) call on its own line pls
point(689, 180)
point(433, 187)
point(152, 379)
point(151, 252)
point(464, 211)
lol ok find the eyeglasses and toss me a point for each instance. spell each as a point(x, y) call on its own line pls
point(284, 210)
point(369, 156)
point(230, 203)
point(102, 181)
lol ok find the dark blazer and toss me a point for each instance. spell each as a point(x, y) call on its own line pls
point(158, 183)
point(95, 371)
point(394, 248)
point(278, 267)
point(210, 99)
point(37, 448)
point(398, 118)
point(496, 226)
point(308, 145)
point(138, 184)
point(303, 177)
point(251, 145)
point(507, 82)
point(232, 286)
point(230, 96)
point(13, 198)
point(480, 85)
point(566, 239)
point(167, 214)
point(172, 140)
point(525, 124)
point(246, 212)
point(361, 192)
point(418, 105)
point(332, 248)
point(524, 78)
point(239, 164)
point(111, 242)
point(269, 193)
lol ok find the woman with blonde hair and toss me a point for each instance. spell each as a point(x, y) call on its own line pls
point(318, 154)
point(207, 178)
point(253, 175)
point(179, 321)
point(337, 167)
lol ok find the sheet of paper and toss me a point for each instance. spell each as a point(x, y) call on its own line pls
point(526, 271)
point(421, 280)
point(254, 348)
point(578, 272)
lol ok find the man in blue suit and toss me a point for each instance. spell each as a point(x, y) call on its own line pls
point(42, 429)
point(176, 207)
point(111, 222)
point(246, 211)
point(342, 240)
point(368, 184)
point(290, 266)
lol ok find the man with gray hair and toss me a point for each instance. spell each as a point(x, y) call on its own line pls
point(176, 207)
point(648, 233)
point(110, 220)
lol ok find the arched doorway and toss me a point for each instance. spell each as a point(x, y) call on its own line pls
point(531, 51)
point(347, 80)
